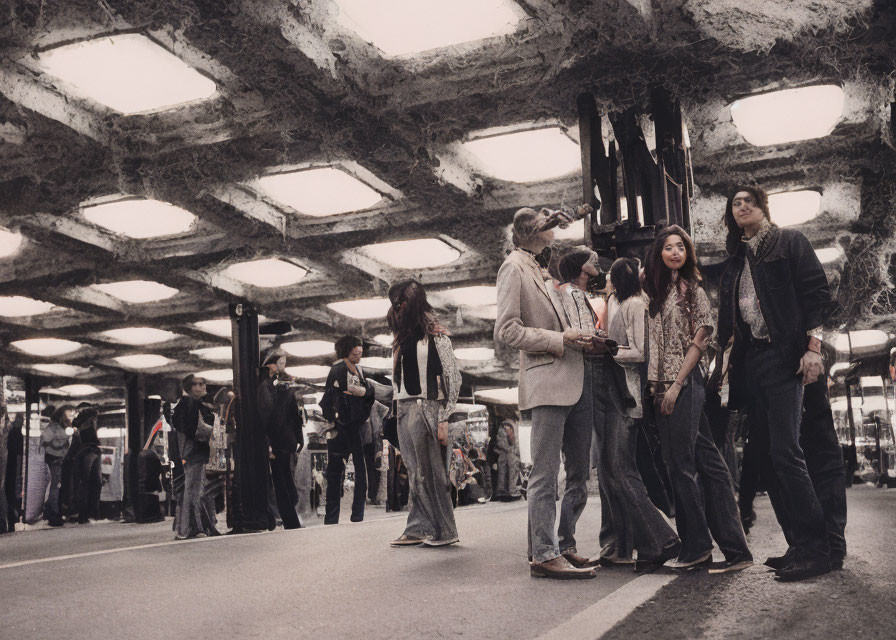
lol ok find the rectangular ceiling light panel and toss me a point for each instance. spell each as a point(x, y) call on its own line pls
point(139, 335)
point(526, 156)
point(22, 307)
point(424, 253)
point(9, 243)
point(142, 361)
point(794, 207)
point(401, 27)
point(46, 346)
point(268, 273)
point(308, 348)
point(127, 72)
point(321, 191)
point(790, 115)
point(140, 219)
point(368, 309)
point(137, 291)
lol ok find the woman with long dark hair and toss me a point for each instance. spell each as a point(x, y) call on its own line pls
point(679, 328)
point(426, 383)
point(629, 520)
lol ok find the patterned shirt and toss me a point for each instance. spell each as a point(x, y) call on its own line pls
point(747, 300)
point(671, 332)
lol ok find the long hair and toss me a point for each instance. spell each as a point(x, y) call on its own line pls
point(735, 233)
point(410, 315)
point(658, 277)
point(625, 278)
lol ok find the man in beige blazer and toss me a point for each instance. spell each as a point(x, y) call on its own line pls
point(531, 318)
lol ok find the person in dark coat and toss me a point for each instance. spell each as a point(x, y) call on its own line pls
point(13, 475)
point(279, 414)
point(193, 422)
point(349, 413)
point(89, 479)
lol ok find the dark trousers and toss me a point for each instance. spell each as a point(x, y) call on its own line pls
point(285, 489)
point(373, 474)
point(824, 461)
point(346, 443)
point(775, 403)
point(90, 482)
point(705, 508)
point(51, 508)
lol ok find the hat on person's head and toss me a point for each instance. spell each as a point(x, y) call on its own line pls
point(48, 411)
point(84, 417)
point(271, 356)
point(83, 405)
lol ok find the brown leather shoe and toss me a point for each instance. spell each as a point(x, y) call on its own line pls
point(580, 562)
point(559, 569)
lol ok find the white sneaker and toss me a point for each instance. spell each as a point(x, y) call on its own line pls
point(429, 542)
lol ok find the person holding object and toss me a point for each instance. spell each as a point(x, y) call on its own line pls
point(532, 319)
point(774, 298)
point(193, 422)
point(279, 414)
point(425, 386)
point(348, 412)
point(679, 328)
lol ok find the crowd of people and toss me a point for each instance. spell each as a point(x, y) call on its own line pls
point(602, 359)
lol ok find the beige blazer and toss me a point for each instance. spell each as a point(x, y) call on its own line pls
point(531, 319)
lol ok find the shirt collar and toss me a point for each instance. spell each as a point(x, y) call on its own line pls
point(764, 228)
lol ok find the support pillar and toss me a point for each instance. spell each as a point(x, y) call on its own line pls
point(250, 487)
point(135, 395)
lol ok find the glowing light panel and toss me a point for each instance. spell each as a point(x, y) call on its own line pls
point(794, 207)
point(323, 191)
point(475, 296)
point(79, 390)
point(142, 361)
point(526, 156)
point(266, 273)
point(127, 72)
point(789, 115)
point(401, 27)
point(366, 309)
point(308, 348)
point(139, 335)
point(46, 346)
point(9, 243)
point(860, 339)
point(384, 339)
point(215, 354)
point(829, 254)
point(140, 219)
point(219, 376)
point(309, 371)
point(137, 291)
point(58, 369)
point(20, 307)
point(412, 254)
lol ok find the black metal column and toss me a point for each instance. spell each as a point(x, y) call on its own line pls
point(135, 395)
point(250, 488)
point(31, 396)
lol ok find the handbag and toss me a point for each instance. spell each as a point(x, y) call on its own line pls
point(390, 425)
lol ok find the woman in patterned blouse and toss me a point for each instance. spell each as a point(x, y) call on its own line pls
point(679, 328)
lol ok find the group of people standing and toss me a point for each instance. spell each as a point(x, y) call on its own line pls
point(591, 368)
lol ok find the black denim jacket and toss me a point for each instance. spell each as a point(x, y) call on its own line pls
point(794, 298)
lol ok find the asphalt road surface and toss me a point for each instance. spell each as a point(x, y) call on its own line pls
point(125, 580)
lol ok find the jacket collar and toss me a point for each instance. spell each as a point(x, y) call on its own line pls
point(529, 266)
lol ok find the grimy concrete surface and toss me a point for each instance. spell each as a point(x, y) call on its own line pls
point(114, 580)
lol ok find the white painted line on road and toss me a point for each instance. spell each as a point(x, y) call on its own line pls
point(603, 615)
point(101, 552)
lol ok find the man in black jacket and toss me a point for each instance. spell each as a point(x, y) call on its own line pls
point(774, 299)
point(282, 422)
point(349, 412)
